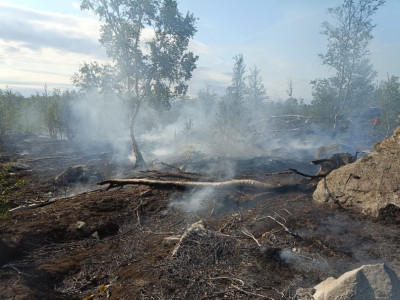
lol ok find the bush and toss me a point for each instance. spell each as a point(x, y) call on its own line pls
point(388, 95)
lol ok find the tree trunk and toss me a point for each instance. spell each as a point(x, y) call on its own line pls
point(139, 163)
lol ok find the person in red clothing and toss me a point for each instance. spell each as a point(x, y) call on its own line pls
point(377, 120)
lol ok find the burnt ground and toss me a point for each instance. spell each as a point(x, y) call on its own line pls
point(114, 241)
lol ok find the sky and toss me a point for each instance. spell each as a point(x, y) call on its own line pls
point(45, 42)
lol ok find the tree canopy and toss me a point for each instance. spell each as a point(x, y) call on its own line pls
point(348, 39)
point(148, 43)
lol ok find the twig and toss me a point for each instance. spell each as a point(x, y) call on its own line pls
point(288, 211)
point(34, 205)
point(278, 215)
point(172, 167)
point(15, 269)
point(279, 292)
point(251, 293)
point(228, 278)
point(137, 212)
point(247, 233)
point(195, 226)
point(226, 224)
point(284, 227)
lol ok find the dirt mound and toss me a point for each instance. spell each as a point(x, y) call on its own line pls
point(370, 185)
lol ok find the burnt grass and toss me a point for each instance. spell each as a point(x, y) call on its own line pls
point(92, 237)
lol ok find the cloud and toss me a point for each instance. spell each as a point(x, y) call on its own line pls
point(37, 30)
point(38, 47)
point(218, 81)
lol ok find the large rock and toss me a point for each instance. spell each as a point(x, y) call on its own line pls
point(77, 174)
point(370, 185)
point(368, 282)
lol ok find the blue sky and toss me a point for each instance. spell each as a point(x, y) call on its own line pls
point(46, 41)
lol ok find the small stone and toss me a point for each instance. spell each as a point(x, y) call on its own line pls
point(96, 235)
point(80, 224)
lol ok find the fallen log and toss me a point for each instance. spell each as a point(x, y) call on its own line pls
point(238, 183)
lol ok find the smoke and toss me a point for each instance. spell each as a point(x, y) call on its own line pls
point(193, 202)
point(190, 129)
point(191, 137)
point(102, 123)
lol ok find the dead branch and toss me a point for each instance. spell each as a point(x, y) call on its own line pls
point(47, 158)
point(227, 278)
point(172, 167)
point(284, 227)
point(294, 171)
point(181, 175)
point(238, 183)
point(15, 269)
point(137, 213)
point(229, 221)
point(251, 293)
point(85, 156)
point(34, 205)
point(198, 226)
point(247, 233)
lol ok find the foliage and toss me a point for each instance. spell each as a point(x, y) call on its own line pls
point(147, 41)
point(293, 105)
point(207, 98)
point(58, 117)
point(231, 111)
point(256, 95)
point(10, 103)
point(38, 113)
point(388, 95)
point(348, 41)
point(324, 101)
point(7, 189)
point(187, 128)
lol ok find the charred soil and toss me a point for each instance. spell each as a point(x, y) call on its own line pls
point(96, 243)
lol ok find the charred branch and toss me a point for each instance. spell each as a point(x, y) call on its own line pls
point(294, 171)
point(334, 162)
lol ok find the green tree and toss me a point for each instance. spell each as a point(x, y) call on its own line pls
point(388, 95)
point(207, 98)
point(236, 92)
point(323, 102)
point(348, 41)
point(10, 103)
point(256, 93)
point(231, 112)
point(58, 118)
point(52, 118)
point(147, 41)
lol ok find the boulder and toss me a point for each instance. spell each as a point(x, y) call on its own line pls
point(370, 185)
point(368, 282)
